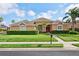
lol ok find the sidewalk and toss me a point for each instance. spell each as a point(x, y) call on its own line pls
point(28, 42)
point(38, 49)
point(66, 44)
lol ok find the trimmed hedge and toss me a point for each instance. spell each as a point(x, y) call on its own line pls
point(31, 45)
point(21, 32)
point(73, 32)
point(60, 32)
point(65, 32)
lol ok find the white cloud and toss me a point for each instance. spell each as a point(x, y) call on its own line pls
point(31, 13)
point(51, 12)
point(71, 7)
point(47, 14)
point(20, 13)
point(60, 18)
point(7, 8)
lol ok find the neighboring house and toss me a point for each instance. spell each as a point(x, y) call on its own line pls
point(42, 25)
point(3, 29)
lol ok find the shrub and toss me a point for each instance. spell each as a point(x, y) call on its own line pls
point(39, 45)
point(73, 32)
point(2, 29)
point(21, 32)
point(60, 32)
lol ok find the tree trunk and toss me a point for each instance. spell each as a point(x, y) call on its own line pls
point(73, 25)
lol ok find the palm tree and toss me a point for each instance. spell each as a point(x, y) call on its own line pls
point(71, 15)
point(1, 19)
point(13, 21)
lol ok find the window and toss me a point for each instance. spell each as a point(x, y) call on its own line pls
point(59, 27)
point(22, 27)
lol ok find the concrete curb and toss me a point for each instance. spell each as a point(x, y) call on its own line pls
point(29, 43)
point(39, 49)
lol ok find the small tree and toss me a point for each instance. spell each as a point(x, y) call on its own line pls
point(1, 19)
point(13, 21)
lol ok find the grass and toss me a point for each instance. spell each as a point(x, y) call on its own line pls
point(26, 38)
point(69, 37)
point(77, 45)
point(31, 45)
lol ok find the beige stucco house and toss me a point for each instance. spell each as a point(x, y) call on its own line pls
point(41, 25)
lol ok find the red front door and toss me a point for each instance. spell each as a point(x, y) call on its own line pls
point(48, 28)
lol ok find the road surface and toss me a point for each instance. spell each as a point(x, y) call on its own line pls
point(39, 53)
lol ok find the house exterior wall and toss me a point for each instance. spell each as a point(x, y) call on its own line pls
point(31, 28)
point(77, 25)
point(12, 28)
point(53, 27)
point(65, 26)
point(17, 28)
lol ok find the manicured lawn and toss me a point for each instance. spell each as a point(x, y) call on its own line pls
point(25, 38)
point(69, 37)
point(31, 45)
point(77, 45)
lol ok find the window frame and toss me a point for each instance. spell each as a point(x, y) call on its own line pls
point(59, 29)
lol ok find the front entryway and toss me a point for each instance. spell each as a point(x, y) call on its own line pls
point(48, 28)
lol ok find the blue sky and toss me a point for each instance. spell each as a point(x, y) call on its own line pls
point(31, 11)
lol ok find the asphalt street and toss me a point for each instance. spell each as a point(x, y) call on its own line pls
point(39, 53)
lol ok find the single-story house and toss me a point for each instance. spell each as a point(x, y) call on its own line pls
point(41, 24)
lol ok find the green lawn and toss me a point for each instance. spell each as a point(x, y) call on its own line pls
point(77, 45)
point(31, 45)
point(69, 37)
point(25, 38)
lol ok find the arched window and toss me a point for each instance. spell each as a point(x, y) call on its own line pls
point(22, 27)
